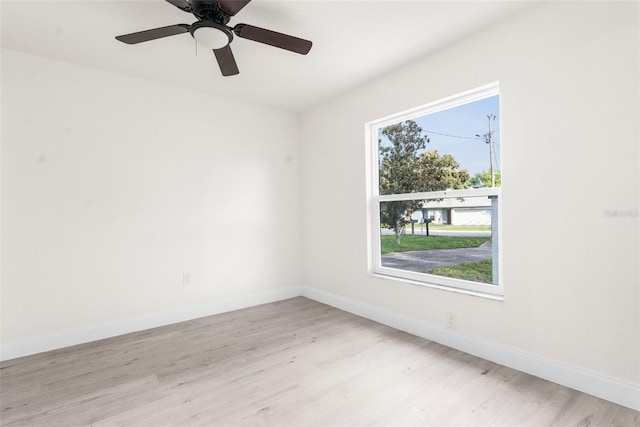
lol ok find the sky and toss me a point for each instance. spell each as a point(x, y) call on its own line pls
point(460, 125)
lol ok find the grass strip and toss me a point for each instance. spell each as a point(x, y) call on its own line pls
point(424, 243)
point(479, 271)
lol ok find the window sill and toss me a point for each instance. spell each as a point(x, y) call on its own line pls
point(494, 297)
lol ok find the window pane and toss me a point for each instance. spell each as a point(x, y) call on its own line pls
point(455, 148)
point(450, 237)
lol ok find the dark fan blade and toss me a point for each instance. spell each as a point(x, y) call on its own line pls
point(231, 7)
point(181, 4)
point(283, 41)
point(156, 33)
point(226, 61)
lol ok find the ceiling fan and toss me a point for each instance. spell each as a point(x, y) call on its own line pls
point(211, 30)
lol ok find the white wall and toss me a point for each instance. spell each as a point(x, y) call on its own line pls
point(568, 74)
point(113, 187)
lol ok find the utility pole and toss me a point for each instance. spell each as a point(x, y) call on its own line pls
point(490, 142)
point(488, 138)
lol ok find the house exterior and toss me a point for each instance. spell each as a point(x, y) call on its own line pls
point(462, 211)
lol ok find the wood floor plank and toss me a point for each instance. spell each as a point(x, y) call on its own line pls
point(290, 363)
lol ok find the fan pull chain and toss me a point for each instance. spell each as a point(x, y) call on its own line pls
point(196, 42)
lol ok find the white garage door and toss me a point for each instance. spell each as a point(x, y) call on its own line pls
point(479, 216)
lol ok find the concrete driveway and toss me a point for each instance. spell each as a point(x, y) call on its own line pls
point(421, 261)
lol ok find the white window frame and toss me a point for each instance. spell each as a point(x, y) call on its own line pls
point(493, 291)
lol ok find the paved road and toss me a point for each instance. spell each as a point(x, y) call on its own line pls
point(425, 260)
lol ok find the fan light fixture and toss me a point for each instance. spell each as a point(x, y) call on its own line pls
point(211, 35)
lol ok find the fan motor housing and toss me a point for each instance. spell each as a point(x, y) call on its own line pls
point(209, 10)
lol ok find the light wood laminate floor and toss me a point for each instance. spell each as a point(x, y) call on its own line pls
point(290, 363)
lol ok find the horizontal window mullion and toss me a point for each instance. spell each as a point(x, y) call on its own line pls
point(478, 192)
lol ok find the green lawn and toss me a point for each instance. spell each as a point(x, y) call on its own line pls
point(480, 271)
point(425, 243)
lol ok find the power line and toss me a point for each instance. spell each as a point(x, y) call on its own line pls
point(457, 136)
point(452, 136)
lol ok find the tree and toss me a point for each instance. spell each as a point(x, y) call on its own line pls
point(483, 179)
point(403, 169)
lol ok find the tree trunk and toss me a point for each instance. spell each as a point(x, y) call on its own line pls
point(399, 229)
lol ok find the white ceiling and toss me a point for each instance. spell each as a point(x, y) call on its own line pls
point(353, 42)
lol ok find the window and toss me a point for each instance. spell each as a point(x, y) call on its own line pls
point(435, 194)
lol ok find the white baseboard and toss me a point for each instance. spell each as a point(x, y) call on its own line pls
point(593, 383)
point(12, 350)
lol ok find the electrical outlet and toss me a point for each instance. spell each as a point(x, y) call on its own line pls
point(186, 279)
point(451, 321)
